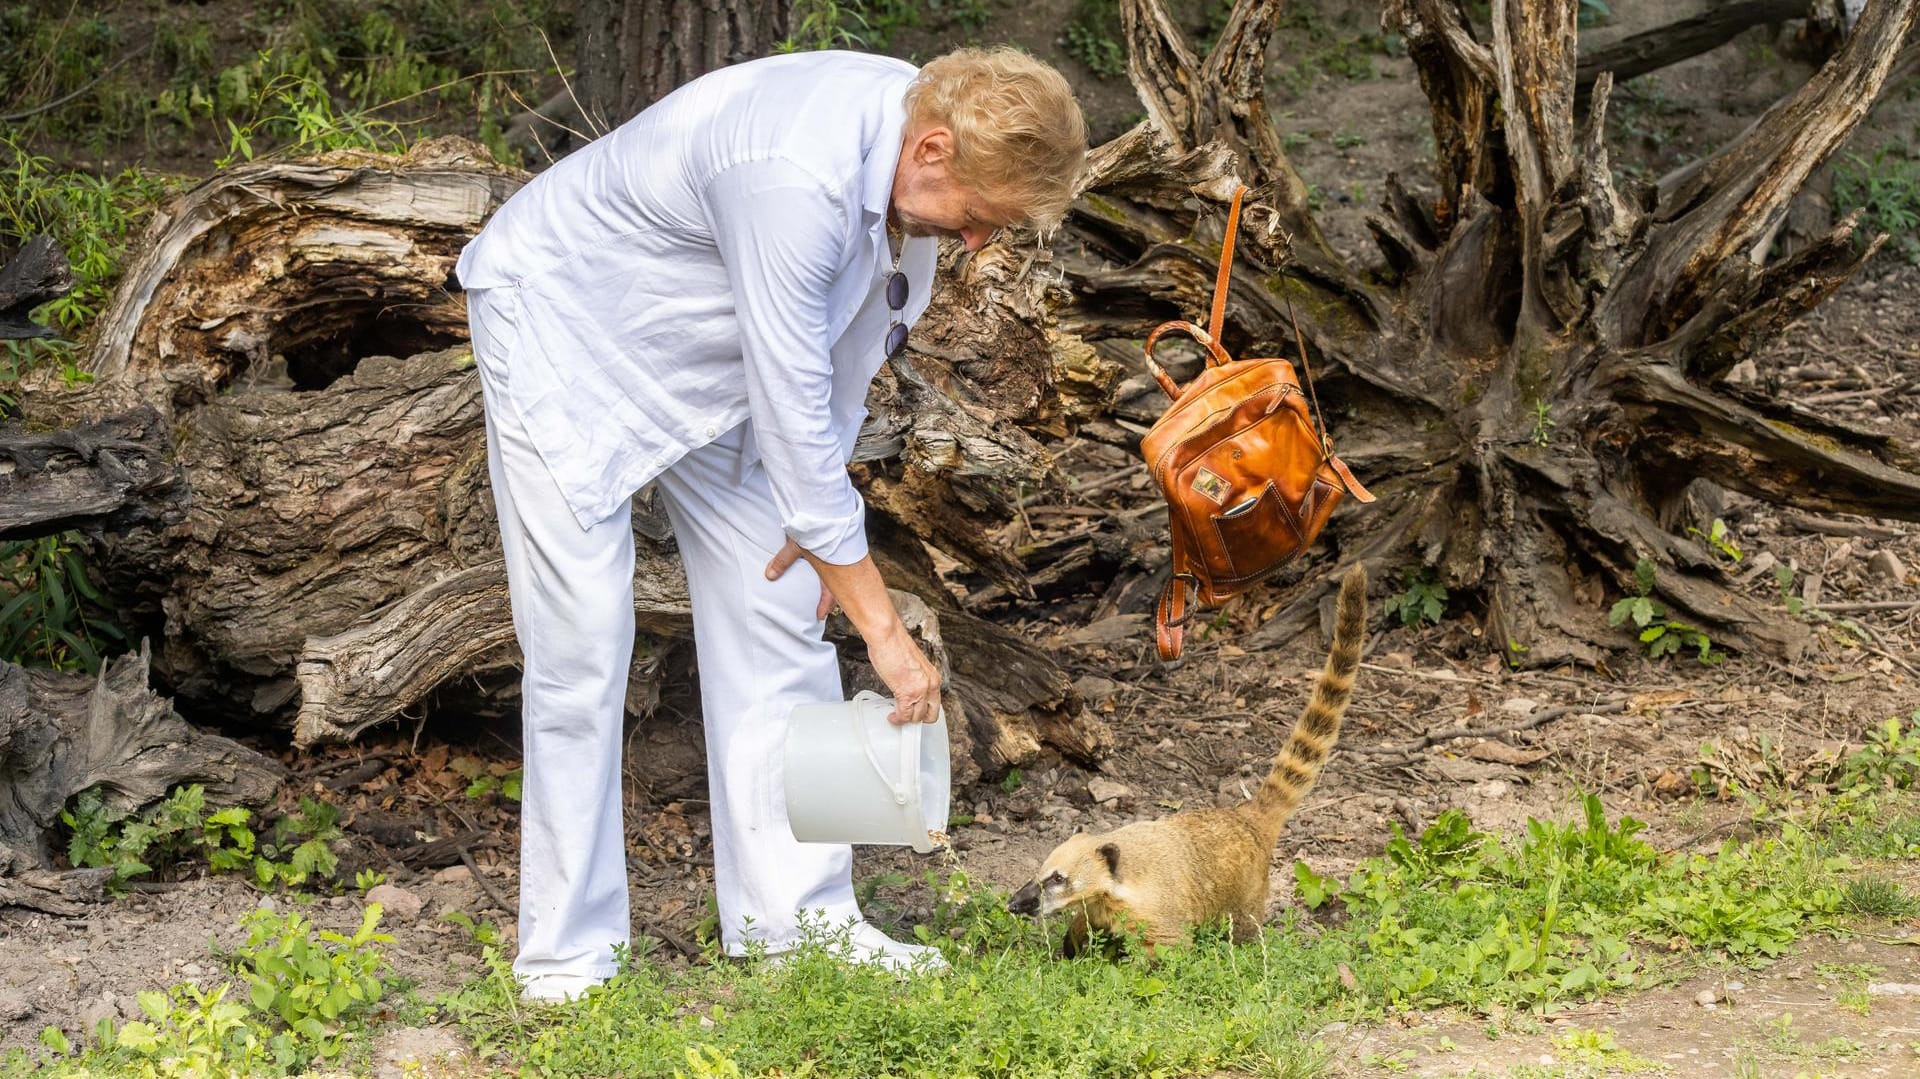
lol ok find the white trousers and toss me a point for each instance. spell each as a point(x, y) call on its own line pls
point(760, 651)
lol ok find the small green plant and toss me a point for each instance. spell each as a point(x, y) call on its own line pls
point(1093, 38)
point(301, 846)
point(1424, 599)
point(93, 219)
point(1880, 897)
point(367, 880)
point(1890, 760)
point(1392, 1063)
point(1783, 576)
point(1012, 780)
point(1850, 984)
point(1784, 1041)
point(1886, 188)
point(302, 993)
point(170, 832)
point(824, 24)
point(1661, 635)
point(189, 1031)
point(1516, 653)
point(292, 110)
point(1721, 540)
point(1542, 423)
point(482, 781)
point(180, 828)
point(480, 930)
point(51, 612)
point(1347, 140)
point(311, 981)
point(1591, 1050)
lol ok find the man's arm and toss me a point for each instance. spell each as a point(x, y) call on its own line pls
point(780, 236)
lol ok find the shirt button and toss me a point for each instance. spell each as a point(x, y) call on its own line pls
point(712, 431)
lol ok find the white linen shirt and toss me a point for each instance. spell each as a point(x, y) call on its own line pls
point(721, 256)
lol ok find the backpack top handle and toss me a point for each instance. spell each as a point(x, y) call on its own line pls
point(1209, 337)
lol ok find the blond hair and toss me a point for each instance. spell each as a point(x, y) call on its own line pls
point(1018, 135)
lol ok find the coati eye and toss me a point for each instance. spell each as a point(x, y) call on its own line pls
point(1054, 879)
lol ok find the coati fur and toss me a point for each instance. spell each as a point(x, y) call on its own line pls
point(1162, 878)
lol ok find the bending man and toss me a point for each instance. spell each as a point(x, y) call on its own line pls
point(699, 300)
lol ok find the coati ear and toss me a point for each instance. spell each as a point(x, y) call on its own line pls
point(1111, 852)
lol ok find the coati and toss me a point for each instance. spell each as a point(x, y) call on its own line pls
point(1162, 878)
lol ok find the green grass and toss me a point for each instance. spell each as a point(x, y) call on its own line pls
point(93, 218)
point(1454, 917)
point(1451, 918)
point(169, 77)
point(1004, 1010)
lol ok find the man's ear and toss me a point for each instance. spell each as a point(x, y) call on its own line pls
point(934, 146)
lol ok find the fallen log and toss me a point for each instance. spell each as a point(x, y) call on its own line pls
point(111, 475)
point(294, 325)
point(1651, 50)
point(61, 734)
point(29, 277)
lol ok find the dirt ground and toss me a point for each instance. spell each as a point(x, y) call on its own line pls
point(1200, 732)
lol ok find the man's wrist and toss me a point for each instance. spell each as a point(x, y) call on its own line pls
point(862, 595)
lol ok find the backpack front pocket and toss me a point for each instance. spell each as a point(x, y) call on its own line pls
point(1257, 534)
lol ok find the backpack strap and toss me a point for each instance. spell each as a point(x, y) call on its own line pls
point(1171, 615)
point(1226, 266)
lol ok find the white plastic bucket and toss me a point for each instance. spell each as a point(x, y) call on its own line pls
point(854, 777)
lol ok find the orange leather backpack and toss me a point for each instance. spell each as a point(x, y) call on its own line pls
point(1249, 480)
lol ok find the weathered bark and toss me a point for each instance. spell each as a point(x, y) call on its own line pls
point(61, 734)
point(339, 563)
point(113, 475)
point(281, 277)
point(631, 53)
point(62, 893)
point(1529, 381)
point(29, 277)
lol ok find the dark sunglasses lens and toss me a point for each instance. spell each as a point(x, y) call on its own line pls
point(896, 339)
point(896, 289)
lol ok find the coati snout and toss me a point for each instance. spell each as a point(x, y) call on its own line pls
point(1162, 878)
point(1073, 871)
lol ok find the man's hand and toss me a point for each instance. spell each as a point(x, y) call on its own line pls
point(905, 669)
point(784, 559)
point(911, 678)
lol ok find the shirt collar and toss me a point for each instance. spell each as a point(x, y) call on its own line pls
point(883, 157)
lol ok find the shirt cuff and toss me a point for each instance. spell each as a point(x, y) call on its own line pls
point(839, 541)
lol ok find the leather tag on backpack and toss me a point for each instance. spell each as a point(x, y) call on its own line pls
point(1211, 487)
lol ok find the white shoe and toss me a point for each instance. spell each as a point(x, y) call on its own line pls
point(557, 988)
point(865, 943)
point(870, 945)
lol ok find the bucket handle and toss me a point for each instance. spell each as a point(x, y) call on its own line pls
point(909, 759)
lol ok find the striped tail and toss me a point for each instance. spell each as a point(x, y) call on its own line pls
point(1299, 762)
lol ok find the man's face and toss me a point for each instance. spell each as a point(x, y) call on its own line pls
point(928, 202)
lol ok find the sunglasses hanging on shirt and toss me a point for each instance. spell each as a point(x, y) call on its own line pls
point(896, 300)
